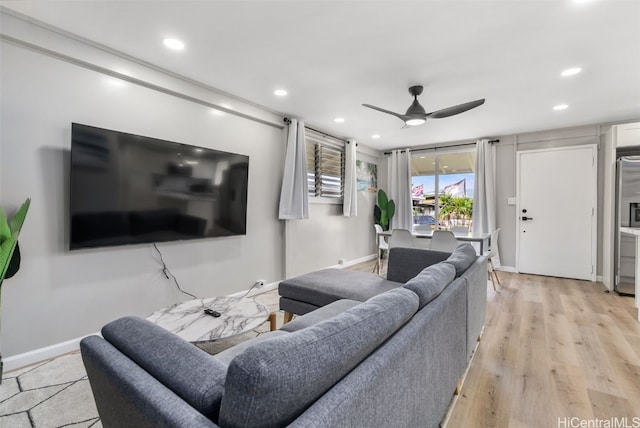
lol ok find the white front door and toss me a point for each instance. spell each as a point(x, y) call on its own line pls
point(556, 211)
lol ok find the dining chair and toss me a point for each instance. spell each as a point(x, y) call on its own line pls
point(443, 240)
point(460, 230)
point(382, 247)
point(493, 252)
point(401, 238)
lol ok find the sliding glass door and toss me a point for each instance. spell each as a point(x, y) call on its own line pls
point(442, 190)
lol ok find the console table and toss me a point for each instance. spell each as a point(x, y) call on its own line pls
point(188, 320)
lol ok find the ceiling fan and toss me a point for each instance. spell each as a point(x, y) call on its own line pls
point(416, 114)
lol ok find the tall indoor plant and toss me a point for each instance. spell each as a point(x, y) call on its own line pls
point(9, 256)
point(385, 209)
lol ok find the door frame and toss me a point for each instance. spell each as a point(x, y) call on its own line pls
point(594, 186)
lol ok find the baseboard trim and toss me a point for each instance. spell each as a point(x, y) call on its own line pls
point(42, 354)
point(352, 262)
point(507, 269)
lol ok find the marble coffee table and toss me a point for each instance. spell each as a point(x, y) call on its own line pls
point(188, 320)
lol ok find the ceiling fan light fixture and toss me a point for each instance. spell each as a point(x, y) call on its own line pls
point(415, 122)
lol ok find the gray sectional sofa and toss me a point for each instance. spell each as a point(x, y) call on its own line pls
point(393, 360)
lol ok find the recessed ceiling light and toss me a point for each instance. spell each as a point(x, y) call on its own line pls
point(174, 44)
point(560, 107)
point(375, 136)
point(338, 120)
point(280, 92)
point(571, 71)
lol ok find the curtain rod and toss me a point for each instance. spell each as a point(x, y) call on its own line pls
point(288, 121)
point(444, 147)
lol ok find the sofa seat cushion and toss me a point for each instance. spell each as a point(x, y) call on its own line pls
point(275, 381)
point(429, 283)
point(182, 367)
point(320, 314)
point(325, 286)
point(462, 257)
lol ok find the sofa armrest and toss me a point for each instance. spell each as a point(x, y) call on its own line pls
point(319, 314)
point(126, 395)
point(185, 369)
point(406, 263)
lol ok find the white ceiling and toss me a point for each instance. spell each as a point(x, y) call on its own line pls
point(332, 56)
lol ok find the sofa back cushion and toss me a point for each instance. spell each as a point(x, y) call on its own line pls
point(429, 283)
point(405, 263)
point(462, 257)
point(275, 381)
point(185, 369)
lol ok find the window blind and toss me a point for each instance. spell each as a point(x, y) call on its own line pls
point(325, 165)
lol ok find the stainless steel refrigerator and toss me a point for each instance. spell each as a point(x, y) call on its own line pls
point(627, 215)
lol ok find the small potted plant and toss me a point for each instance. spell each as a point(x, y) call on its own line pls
point(384, 210)
point(9, 251)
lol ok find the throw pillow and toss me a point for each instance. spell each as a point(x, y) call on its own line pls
point(462, 257)
point(429, 283)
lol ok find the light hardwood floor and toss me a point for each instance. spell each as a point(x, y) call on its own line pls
point(552, 349)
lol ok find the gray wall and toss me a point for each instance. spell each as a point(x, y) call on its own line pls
point(60, 295)
point(328, 236)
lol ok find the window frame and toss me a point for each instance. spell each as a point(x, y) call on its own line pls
point(436, 153)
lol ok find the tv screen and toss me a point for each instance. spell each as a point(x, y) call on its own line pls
point(129, 189)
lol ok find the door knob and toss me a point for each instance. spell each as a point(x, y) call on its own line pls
point(525, 218)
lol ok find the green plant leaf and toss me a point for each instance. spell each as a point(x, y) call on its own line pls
point(382, 199)
point(377, 214)
point(8, 244)
point(384, 221)
point(5, 232)
point(18, 220)
point(6, 251)
point(391, 209)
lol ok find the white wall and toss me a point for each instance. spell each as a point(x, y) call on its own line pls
point(49, 80)
point(59, 295)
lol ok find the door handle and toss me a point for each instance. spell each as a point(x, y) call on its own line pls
point(525, 218)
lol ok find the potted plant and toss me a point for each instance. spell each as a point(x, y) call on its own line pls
point(9, 251)
point(384, 210)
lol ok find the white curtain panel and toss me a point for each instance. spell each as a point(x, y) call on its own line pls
point(350, 196)
point(294, 197)
point(399, 173)
point(484, 194)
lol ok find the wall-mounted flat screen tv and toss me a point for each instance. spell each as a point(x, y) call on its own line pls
point(129, 189)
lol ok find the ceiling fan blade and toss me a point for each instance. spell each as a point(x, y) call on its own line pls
point(398, 115)
point(450, 111)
